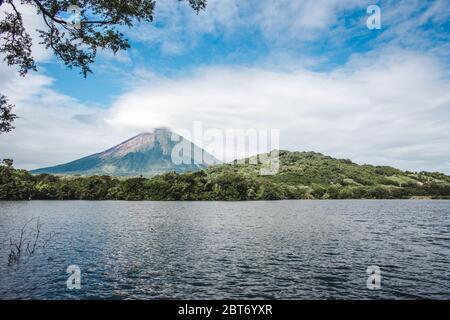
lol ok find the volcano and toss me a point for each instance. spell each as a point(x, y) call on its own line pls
point(147, 154)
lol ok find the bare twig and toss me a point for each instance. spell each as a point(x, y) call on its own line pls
point(27, 242)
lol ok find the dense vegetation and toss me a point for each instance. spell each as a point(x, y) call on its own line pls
point(303, 175)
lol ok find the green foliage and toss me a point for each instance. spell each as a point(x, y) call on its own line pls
point(74, 41)
point(15, 184)
point(6, 116)
point(303, 175)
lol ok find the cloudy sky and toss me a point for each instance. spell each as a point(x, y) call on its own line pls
point(310, 68)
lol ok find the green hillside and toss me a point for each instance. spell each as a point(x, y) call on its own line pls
point(314, 175)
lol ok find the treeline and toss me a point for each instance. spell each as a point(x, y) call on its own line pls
point(203, 185)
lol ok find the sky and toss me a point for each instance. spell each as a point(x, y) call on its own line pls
point(309, 68)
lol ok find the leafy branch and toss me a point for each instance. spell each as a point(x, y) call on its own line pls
point(99, 27)
point(6, 116)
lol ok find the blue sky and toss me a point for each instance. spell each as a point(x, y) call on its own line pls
point(310, 68)
point(330, 43)
point(171, 54)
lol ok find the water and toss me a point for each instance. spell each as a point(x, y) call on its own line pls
point(217, 250)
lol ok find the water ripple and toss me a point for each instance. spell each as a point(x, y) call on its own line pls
point(218, 250)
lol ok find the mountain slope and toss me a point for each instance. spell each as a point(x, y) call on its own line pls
point(146, 154)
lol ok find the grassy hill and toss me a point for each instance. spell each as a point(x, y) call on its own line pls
point(314, 175)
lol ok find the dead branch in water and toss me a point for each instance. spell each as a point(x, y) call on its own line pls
point(27, 242)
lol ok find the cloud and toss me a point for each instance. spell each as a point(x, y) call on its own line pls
point(387, 109)
point(121, 57)
point(52, 128)
point(178, 26)
point(327, 28)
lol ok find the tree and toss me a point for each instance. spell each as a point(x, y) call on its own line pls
point(6, 117)
point(76, 39)
point(91, 25)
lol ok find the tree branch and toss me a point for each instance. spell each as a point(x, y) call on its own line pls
point(46, 13)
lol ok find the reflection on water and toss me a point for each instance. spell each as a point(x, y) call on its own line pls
point(217, 250)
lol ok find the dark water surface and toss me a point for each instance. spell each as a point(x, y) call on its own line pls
point(217, 250)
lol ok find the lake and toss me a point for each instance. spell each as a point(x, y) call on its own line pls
point(229, 250)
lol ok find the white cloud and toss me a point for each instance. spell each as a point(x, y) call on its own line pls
point(177, 26)
point(388, 109)
point(288, 24)
point(52, 128)
point(121, 57)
